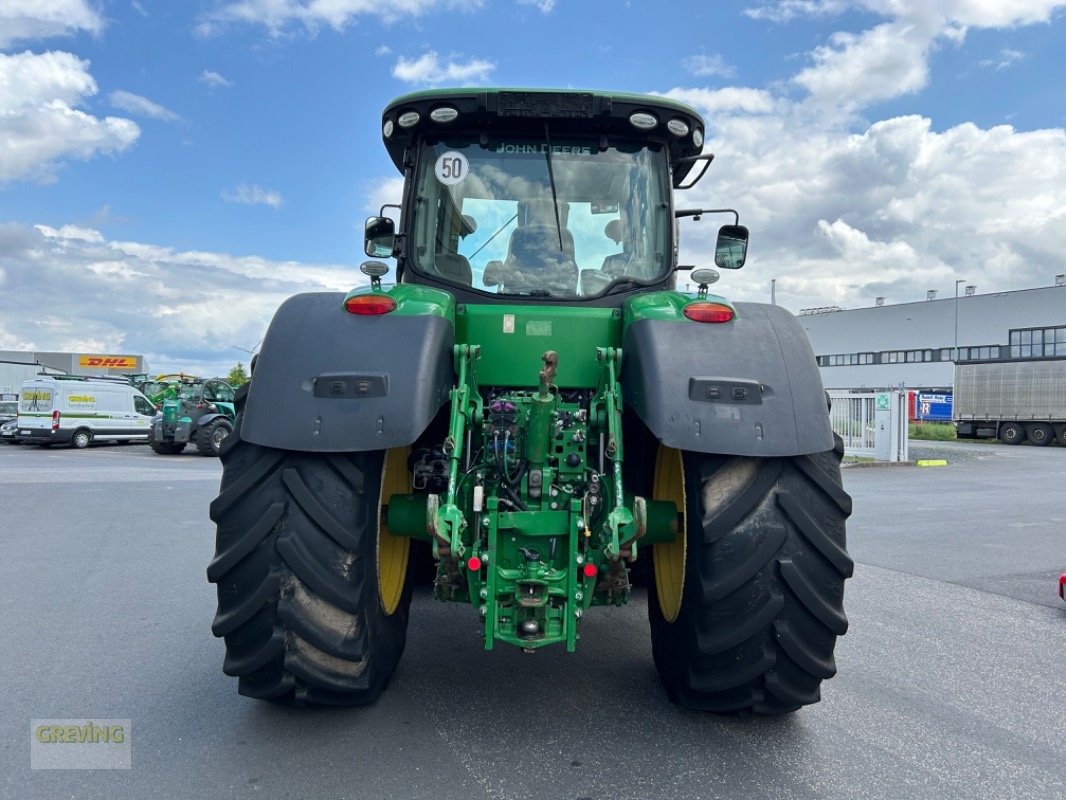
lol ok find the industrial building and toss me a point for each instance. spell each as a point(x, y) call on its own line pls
point(17, 366)
point(913, 344)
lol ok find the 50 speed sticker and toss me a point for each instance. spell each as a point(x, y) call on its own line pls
point(451, 168)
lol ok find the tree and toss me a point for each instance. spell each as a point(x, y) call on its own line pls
point(237, 376)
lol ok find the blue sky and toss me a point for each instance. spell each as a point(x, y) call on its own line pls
point(170, 171)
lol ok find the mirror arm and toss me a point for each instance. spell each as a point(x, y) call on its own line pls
point(696, 213)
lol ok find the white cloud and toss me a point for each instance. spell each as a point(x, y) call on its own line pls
point(855, 70)
point(428, 69)
point(704, 65)
point(1006, 58)
point(843, 210)
point(891, 59)
point(544, 6)
point(40, 122)
point(22, 20)
point(114, 296)
point(253, 195)
point(787, 10)
point(278, 16)
point(77, 232)
point(142, 106)
point(382, 50)
point(214, 80)
point(978, 13)
point(839, 216)
point(138, 8)
point(728, 99)
point(384, 191)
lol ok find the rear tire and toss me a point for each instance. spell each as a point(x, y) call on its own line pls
point(1012, 433)
point(297, 568)
point(762, 598)
point(1040, 433)
point(81, 439)
point(209, 437)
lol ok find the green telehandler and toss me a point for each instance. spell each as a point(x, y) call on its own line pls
point(190, 409)
point(535, 402)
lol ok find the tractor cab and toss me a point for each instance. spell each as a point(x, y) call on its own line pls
point(557, 196)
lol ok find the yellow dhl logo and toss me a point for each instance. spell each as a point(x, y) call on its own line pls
point(108, 362)
point(82, 398)
point(44, 394)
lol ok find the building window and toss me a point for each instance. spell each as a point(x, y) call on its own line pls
point(1037, 342)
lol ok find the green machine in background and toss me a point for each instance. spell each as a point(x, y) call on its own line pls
point(191, 409)
point(535, 403)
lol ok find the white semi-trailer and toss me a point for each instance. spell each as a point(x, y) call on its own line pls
point(1012, 401)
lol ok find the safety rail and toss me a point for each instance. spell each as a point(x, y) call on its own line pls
point(872, 424)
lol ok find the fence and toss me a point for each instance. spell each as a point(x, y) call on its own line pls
point(872, 424)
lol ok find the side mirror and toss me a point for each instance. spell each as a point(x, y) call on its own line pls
point(379, 238)
point(732, 248)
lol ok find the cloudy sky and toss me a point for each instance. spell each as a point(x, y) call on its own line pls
point(171, 171)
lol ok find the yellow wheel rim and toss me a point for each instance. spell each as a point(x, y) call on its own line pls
point(669, 559)
point(393, 551)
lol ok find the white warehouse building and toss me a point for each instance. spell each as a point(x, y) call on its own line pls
point(911, 344)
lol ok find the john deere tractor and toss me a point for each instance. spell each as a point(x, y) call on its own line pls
point(190, 410)
point(536, 403)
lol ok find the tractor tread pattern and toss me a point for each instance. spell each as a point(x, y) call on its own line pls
point(763, 599)
point(298, 601)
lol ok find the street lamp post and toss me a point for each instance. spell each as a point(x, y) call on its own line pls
point(955, 351)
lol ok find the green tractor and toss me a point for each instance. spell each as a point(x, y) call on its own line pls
point(536, 404)
point(190, 410)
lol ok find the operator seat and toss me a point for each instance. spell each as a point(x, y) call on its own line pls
point(454, 267)
point(533, 255)
point(617, 264)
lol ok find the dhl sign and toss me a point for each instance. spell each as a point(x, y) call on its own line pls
point(108, 362)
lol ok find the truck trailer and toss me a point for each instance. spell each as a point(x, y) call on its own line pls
point(1012, 401)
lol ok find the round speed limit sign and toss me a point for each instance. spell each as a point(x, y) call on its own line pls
point(451, 168)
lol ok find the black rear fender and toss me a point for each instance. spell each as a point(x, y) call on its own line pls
point(329, 381)
point(749, 387)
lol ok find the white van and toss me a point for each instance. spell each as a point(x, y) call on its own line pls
point(74, 410)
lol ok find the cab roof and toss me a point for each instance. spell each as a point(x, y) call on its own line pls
point(525, 111)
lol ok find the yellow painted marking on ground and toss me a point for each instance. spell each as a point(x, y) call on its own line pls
point(932, 462)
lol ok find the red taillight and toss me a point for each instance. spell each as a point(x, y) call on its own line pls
point(55, 421)
point(474, 564)
point(589, 570)
point(709, 312)
point(369, 304)
point(1062, 586)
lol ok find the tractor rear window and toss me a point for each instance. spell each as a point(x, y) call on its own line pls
point(485, 216)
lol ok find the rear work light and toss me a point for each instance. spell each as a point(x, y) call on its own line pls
point(709, 312)
point(55, 421)
point(369, 305)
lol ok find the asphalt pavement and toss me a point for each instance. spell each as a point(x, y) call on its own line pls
point(950, 679)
